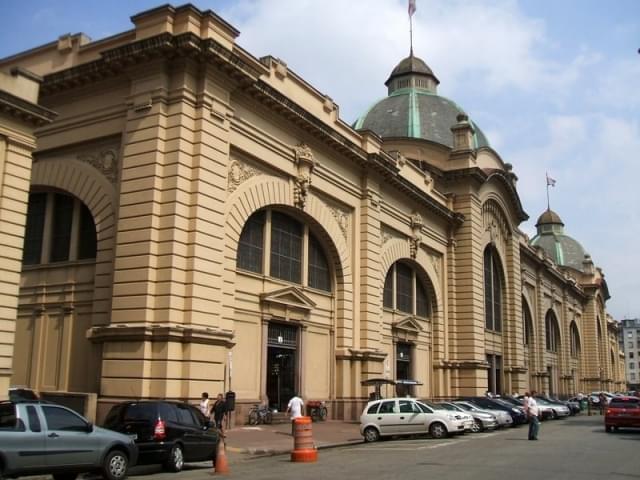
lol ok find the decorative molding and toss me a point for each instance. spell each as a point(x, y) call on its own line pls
point(239, 173)
point(435, 261)
point(416, 237)
point(305, 162)
point(105, 160)
point(342, 217)
point(387, 234)
point(495, 222)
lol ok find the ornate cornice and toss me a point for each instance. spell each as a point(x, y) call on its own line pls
point(161, 333)
point(24, 110)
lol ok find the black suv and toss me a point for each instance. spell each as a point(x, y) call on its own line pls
point(170, 433)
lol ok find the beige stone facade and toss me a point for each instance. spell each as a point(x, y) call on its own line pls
point(248, 239)
point(20, 115)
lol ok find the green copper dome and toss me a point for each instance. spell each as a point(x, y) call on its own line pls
point(563, 249)
point(413, 109)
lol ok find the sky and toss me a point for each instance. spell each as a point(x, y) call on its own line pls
point(554, 84)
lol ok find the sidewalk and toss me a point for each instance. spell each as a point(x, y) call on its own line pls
point(276, 439)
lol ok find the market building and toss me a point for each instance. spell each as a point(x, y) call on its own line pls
point(199, 219)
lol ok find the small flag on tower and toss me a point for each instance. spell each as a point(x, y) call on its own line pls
point(550, 181)
point(412, 7)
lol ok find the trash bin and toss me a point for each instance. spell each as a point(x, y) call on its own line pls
point(583, 404)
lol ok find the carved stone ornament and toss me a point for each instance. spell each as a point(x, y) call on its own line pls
point(105, 161)
point(416, 237)
point(342, 218)
point(435, 261)
point(306, 163)
point(238, 173)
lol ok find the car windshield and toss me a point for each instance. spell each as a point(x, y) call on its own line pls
point(625, 403)
point(447, 406)
point(465, 406)
point(499, 401)
point(430, 405)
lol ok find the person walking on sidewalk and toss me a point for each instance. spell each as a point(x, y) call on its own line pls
point(205, 407)
point(532, 414)
point(295, 406)
point(219, 411)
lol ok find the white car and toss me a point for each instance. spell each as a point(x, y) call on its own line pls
point(503, 417)
point(407, 416)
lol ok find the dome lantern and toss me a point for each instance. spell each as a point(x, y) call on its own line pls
point(412, 72)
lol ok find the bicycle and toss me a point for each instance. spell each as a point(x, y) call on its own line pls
point(260, 414)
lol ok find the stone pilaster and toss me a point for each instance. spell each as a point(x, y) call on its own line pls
point(19, 116)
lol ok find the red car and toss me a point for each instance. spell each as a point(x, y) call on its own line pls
point(622, 412)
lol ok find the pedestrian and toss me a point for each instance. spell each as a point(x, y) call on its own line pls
point(219, 412)
point(532, 414)
point(295, 406)
point(603, 402)
point(205, 407)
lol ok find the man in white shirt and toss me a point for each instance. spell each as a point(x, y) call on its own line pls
point(532, 413)
point(295, 406)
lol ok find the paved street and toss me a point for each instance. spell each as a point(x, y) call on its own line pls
point(576, 448)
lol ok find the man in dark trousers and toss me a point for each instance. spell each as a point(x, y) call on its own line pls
point(532, 413)
point(219, 410)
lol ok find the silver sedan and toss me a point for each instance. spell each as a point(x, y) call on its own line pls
point(503, 418)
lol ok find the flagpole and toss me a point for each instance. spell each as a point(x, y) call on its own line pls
point(411, 35)
point(548, 205)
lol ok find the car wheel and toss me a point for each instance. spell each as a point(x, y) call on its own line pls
point(477, 426)
point(64, 476)
point(175, 462)
point(371, 434)
point(115, 465)
point(607, 428)
point(615, 429)
point(438, 430)
point(554, 415)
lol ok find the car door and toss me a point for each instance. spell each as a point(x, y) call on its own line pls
point(22, 442)
point(191, 433)
point(388, 417)
point(68, 438)
point(416, 418)
point(208, 435)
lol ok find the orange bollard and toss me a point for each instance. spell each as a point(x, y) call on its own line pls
point(303, 448)
point(221, 465)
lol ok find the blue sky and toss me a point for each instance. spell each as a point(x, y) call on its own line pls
point(554, 84)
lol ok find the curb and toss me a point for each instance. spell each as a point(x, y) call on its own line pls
point(262, 451)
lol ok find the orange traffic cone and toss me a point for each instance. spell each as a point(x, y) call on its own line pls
point(222, 465)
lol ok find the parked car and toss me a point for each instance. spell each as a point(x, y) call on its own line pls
point(559, 410)
point(622, 412)
point(41, 438)
point(167, 433)
point(481, 420)
point(407, 416)
point(545, 412)
point(517, 413)
point(503, 418)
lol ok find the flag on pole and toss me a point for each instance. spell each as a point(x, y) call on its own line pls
point(412, 7)
point(550, 181)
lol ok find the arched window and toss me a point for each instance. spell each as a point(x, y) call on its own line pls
point(552, 332)
point(285, 252)
point(492, 290)
point(59, 228)
point(575, 340)
point(527, 323)
point(404, 291)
